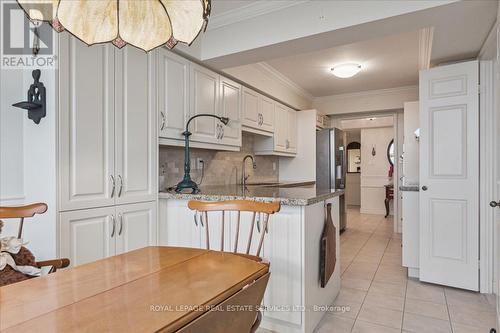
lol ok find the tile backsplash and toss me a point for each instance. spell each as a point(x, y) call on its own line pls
point(221, 167)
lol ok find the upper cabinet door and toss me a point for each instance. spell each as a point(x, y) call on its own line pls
point(135, 226)
point(86, 124)
point(136, 140)
point(230, 106)
point(251, 108)
point(173, 94)
point(281, 129)
point(292, 131)
point(267, 114)
point(204, 99)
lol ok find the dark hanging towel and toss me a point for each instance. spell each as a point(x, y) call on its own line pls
point(328, 248)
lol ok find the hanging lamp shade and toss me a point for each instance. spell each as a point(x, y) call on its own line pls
point(145, 24)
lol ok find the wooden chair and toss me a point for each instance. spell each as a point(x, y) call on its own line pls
point(23, 212)
point(239, 206)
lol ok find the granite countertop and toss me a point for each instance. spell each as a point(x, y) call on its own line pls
point(302, 195)
point(409, 188)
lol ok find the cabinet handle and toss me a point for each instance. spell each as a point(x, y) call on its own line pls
point(114, 185)
point(163, 121)
point(120, 218)
point(121, 186)
point(222, 132)
point(195, 216)
point(114, 226)
point(258, 222)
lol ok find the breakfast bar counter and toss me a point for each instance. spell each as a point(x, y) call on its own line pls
point(287, 194)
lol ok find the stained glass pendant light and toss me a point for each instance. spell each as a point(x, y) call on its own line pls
point(145, 24)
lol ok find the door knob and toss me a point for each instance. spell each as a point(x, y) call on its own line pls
point(424, 188)
point(494, 204)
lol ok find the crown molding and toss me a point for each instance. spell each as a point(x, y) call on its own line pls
point(367, 93)
point(270, 71)
point(425, 39)
point(249, 11)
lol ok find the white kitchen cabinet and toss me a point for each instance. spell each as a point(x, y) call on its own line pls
point(204, 99)
point(267, 114)
point(136, 226)
point(135, 126)
point(411, 233)
point(173, 94)
point(230, 107)
point(86, 124)
point(284, 140)
point(107, 125)
point(250, 108)
point(87, 235)
point(177, 226)
point(92, 234)
point(258, 112)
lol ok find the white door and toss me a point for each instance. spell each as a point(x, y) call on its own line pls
point(281, 128)
point(496, 198)
point(135, 119)
point(230, 106)
point(204, 99)
point(177, 225)
point(86, 124)
point(173, 94)
point(449, 175)
point(88, 235)
point(267, 118)
point(292, 131)
point(250, 108)
point(136, 226)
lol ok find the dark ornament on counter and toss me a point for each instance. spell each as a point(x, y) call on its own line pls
point(36, 103)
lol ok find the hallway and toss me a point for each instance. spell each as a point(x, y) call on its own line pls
point(377, 296)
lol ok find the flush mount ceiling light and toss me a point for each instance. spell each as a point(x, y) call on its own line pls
point(345, 71)
point(145, 24)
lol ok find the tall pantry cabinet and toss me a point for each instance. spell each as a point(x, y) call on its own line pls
point(107, 144)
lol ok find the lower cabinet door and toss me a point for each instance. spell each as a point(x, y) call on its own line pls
point(88, 235)
point(246, 233)
point(177, 225)
point(135, 226)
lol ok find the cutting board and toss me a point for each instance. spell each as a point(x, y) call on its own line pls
point(328, 248)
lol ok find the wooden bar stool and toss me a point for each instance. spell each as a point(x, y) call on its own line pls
point(240, 206)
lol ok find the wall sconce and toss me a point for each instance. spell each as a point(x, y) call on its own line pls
point(36, 99)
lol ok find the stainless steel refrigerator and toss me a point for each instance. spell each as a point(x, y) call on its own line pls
point(331, 165)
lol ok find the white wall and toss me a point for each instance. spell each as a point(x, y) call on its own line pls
point(374, 169)
point(366, 101)
point(411, 145)
point(28, 159)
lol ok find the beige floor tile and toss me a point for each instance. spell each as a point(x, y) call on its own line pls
point(390, 289)
point(382, 316)
point(462, 314)
point(391, 277)
point(421, 324)
point(461, 328)
point(366, 327)
point(429, 309)
point(349, 310)
point(385, 301)
point(473, 300)
point(335, 324)
point(360, 284)
point(425, 292)
point(348, 295)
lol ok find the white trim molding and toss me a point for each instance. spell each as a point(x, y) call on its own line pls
point(249, 11)
point(425, 39)
point(269, 70)
point(487, 178)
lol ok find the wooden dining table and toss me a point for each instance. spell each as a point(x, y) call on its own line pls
point(166, 289)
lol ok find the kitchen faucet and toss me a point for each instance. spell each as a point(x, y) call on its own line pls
point(243, 176)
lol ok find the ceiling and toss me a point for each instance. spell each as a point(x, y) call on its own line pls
point(387, 62)
point(220, 7)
